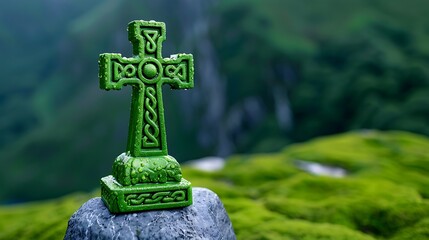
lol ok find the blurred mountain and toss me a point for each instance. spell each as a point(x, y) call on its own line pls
point(268, 73)
point(326, 67)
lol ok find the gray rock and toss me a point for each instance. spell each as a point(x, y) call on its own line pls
point(206, 218)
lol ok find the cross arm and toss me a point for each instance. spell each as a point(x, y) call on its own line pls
point(179, 71)
point(116, 71)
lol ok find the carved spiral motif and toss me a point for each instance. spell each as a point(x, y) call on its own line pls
point(151, 128)
point(150, 44)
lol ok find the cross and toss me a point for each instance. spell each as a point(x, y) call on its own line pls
point(145, 177)
point(147, 71)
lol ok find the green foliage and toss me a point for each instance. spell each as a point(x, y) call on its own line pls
point(360, 64)
point(268, 196)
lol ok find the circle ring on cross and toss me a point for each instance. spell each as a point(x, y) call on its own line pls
point(150, 70)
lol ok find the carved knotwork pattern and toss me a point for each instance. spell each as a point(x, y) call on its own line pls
point(155, 198)
point(150, 128)
point(151, 36)
point(176, 71)
point(121, 71)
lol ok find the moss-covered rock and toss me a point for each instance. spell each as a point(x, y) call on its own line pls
point(252, 220)
point(419, 231)
point(365, 205)
point(268, 196)
point(253, 170)
point(398, 156)
point(39, 220)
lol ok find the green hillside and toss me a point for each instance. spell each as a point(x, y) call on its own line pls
point(383, 196)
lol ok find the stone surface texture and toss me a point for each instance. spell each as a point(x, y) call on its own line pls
point(205, 219)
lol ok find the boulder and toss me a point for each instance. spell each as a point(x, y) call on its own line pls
point(206, 218)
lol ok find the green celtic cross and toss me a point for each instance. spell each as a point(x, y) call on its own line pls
point(145, 177)
point(147, 71)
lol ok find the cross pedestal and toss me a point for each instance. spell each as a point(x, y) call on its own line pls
point(145, 177)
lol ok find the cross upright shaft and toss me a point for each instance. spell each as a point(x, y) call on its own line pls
point(146, 72)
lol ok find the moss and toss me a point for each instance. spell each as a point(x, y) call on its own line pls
point(268, 197)
point(365, 205)
point(317, 188)
point(419, 231)
point(253, 221)
point(248, 215)
point(304, 230)
point(397, 156)
point(215, 182)
point(402, 216)
point(39, 220)
point(255, 169)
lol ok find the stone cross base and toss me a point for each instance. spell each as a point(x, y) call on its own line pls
point(145, 196)
point(206, 218)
